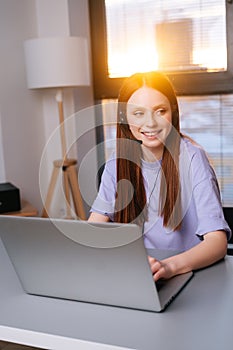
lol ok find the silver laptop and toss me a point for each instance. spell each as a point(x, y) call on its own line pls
point(77, 260)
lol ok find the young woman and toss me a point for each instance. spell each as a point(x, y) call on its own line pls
point(161, 180)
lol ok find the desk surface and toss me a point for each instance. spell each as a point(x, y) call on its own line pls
point(200, 317)
point(26, 210)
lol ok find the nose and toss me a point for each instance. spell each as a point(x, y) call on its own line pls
point(150, 118)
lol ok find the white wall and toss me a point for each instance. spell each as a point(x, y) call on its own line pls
point(28, 118)
point(20, 111)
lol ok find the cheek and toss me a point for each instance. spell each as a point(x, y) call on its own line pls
point(132, 121)
point(133, 128)
point(169, 127)
point(134, 124)
point(166, 122)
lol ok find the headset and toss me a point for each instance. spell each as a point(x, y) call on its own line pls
point(122, 122)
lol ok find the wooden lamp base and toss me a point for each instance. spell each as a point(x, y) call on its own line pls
point(71, 186)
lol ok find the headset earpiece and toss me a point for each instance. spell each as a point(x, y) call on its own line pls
point(122, 117)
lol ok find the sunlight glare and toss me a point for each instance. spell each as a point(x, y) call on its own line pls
point(212, 59)
point(137, 59)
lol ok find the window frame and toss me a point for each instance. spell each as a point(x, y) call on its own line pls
point(185, 83)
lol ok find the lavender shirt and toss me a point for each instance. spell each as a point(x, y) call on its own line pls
point(200, 200)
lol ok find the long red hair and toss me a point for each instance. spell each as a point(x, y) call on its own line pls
point(130, 205)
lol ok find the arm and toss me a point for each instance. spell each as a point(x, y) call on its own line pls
point(209, 218)
point(96, 217)
point(207, 252)
point(103, 207)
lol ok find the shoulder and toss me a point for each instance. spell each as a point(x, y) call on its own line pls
point(193, 150)
point(195, 156)
point(111, 161)
point(110, 165)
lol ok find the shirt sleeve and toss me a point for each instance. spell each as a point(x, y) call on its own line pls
point(105, 201)
point(206, 196)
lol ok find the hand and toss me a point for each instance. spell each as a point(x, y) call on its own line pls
point(211, 249)
point(161, 269)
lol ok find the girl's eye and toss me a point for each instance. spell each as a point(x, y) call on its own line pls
point(160, 111)
point(138, 113)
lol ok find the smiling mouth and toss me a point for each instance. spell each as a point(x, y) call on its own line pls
point(151, 133)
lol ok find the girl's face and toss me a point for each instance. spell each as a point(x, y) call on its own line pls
point(149, 116)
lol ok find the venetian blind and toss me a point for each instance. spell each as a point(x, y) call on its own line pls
point(207, 120)
point(145, 35)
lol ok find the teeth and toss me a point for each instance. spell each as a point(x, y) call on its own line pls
point(150, 133)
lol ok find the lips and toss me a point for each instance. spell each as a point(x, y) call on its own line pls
point(151, 134)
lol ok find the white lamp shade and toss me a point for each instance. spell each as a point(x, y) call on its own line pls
point(57, 62)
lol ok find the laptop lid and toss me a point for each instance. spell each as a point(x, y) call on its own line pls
point(89, 262)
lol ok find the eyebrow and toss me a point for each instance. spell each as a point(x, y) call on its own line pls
point(154, 108)
point(161, 105)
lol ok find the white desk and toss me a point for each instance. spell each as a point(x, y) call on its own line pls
point(201, 317)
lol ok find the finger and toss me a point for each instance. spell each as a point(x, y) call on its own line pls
point(158, 274)
point(156, 266)
point(151, 259)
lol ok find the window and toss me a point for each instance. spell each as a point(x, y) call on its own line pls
point(206, 119)
point(149, 35)
point(192, 43)
point(201, 68)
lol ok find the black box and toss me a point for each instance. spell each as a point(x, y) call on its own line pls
point(9, 198)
